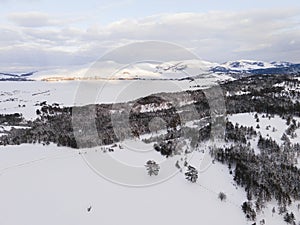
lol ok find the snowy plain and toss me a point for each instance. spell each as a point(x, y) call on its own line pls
point(25, 96)
point(53, 185)
point(273, 127)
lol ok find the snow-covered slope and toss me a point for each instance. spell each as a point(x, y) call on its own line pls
point(25, 97)
point(256, 67)
point(247, 65)
point(15, 76)
point(50, 185)
point(163, 70)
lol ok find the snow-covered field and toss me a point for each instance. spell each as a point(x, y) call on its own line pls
point(51, 185)
point(273, 127)
point(54, 185)
point(24, 97)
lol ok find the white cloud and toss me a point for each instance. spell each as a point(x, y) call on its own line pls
point(42, 40)
point(32, 19)
point(38, 19)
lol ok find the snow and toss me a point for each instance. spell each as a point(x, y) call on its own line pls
point(54, 185)
point(144, 69)
point(248, 120)
point(50, 185)
point(281, 64)
point(247, 65)
point(5, 129)
point(287, 89)
point(153, 108)
point(8, 128)
point(25, 97)
point(238, 93)
point(273, 128)
point(149, 69)
point(186, 68)
point(135, 153)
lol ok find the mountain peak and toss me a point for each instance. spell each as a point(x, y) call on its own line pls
point(246, 65)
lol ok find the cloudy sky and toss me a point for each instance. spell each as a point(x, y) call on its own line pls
point(59, 34)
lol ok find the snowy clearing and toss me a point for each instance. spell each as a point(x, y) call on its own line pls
point(273, 127)
point(51, 185)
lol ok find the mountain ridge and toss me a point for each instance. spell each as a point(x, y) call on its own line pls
point(174, 70)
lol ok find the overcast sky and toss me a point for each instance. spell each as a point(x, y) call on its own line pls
point(46, 34)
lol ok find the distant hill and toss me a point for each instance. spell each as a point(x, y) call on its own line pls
point(175, 70)
point(16, 77)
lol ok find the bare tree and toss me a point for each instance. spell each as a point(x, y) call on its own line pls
point(152, 167)
point(222, 196)
point(192, 174)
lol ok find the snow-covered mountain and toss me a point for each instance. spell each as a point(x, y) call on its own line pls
point(256, 67)
point(230, 69)
point(247, 65)
point(166, 70)
point(15, 76)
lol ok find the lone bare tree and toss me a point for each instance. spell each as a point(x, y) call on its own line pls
point(222, 196)
point(152, 167)
point(192, 174)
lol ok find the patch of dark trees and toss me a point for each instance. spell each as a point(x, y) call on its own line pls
point(11, 119)
point(263, 96)
point(270, 174)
